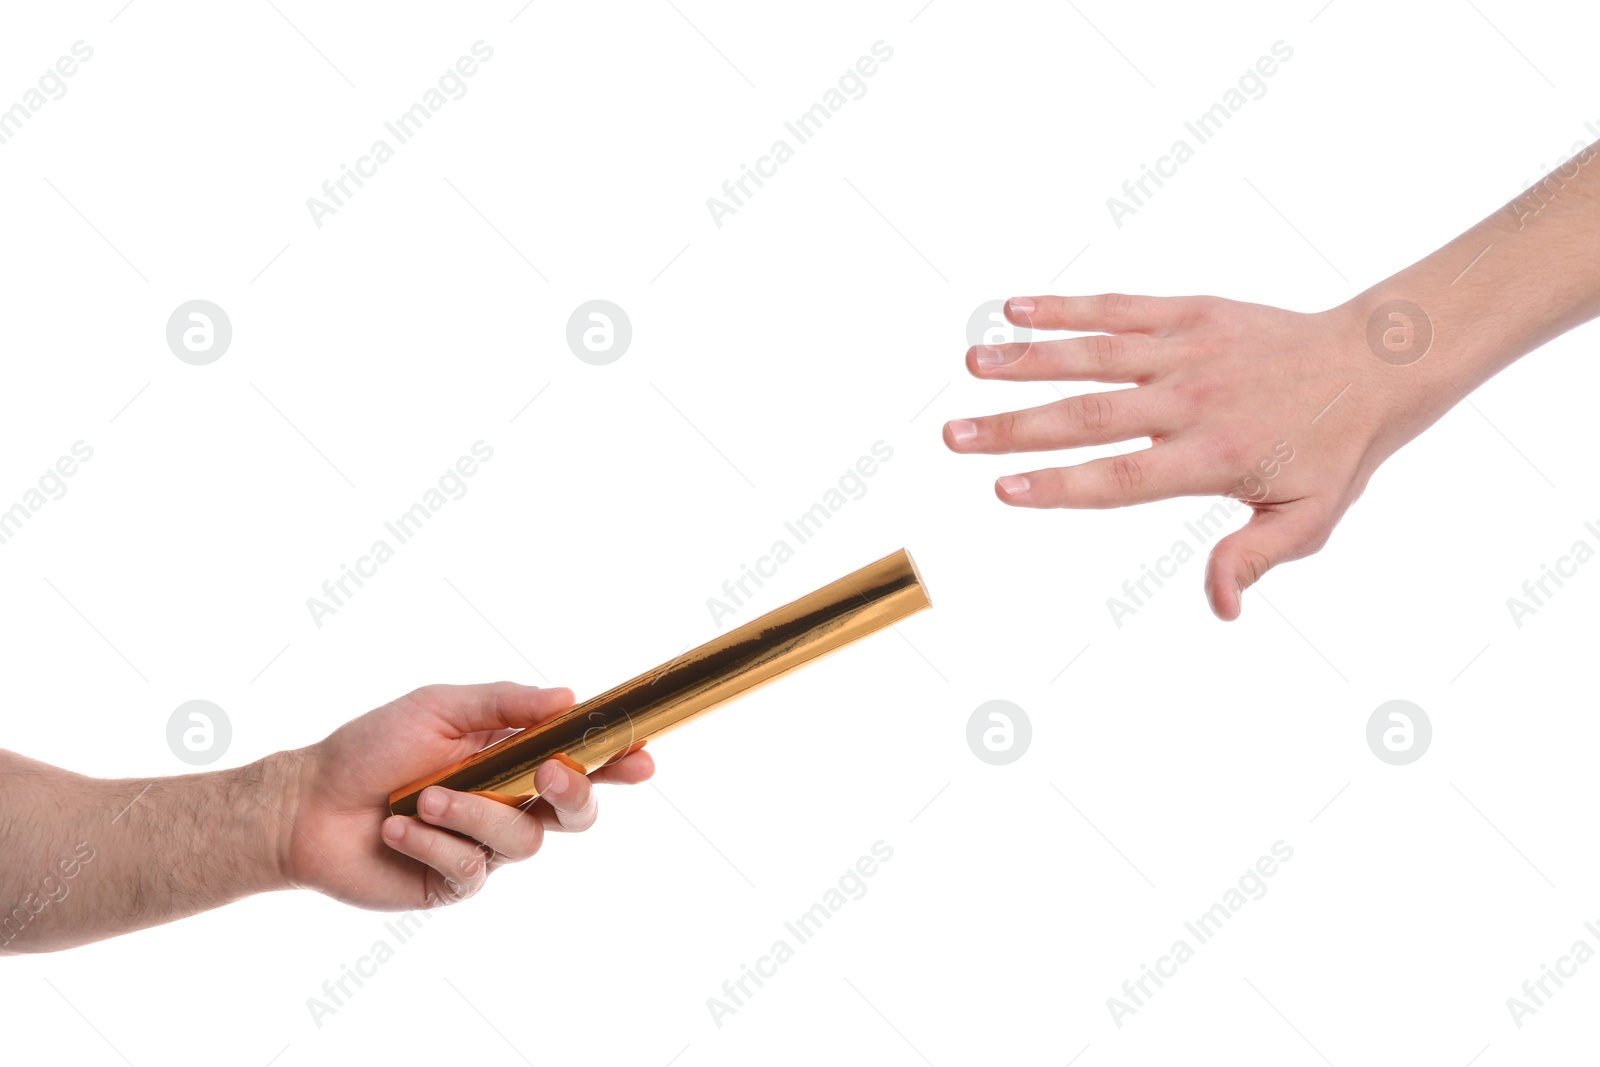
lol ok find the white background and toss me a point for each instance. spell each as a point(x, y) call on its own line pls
point(825, 315)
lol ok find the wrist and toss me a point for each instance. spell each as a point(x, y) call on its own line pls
point(1466, 312)
point(265, 799)
point(1417, 355)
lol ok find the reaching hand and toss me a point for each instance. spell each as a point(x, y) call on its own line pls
point(1289, 413)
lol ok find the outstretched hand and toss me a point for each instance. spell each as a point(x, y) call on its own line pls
point(1289, 413)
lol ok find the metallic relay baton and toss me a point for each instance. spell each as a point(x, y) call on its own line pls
point(605, 728)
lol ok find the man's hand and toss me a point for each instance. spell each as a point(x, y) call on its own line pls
point(1288, 413)
point(88, 858)
point(339, 838)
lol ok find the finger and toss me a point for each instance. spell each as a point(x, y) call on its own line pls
point(1157, 473)
point(470, 709)
point(569, 796)
point(506, 829)
point(631, 769)
point(1091, 419)
point(1272, 536)
point(1105, 313)
point(460, 865)
point(1101, 358)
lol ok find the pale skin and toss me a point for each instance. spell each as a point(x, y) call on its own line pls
point(1220, 388)
point(1223, 388)
point(90, 858)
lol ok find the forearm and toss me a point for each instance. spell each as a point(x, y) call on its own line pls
point(85, 858)
point(1521, 277)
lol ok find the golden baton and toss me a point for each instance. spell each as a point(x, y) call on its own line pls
point(605, 728)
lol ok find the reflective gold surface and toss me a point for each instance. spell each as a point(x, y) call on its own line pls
point(607, 727)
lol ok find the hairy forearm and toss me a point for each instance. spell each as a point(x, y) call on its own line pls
point(86, 858)
point(1521, 277)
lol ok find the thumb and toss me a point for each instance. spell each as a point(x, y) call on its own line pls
point(1272, 536)
point(493, 706)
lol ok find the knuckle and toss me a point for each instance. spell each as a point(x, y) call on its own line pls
point(1213, 316)
point(473, 869)
point(523, 838)
point(585, 818)
point(1205, 310)
point(456, 890)
point(1189, 397)
point(1107, 351)
point(578, 813)
point(511, 840)
point(471, 875)
point(1001, 429)
point(499, 693)
point(1213, 399)
point(1254, 564)
point(1201, 345)
point(1230, 455)
point(1116, 306)
point(434, 848)
point(1091, 412)
point(1127, 474)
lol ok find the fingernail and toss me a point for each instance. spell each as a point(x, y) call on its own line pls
point(990, 356)
point(395, 830)
point(1022, 305)
point(558, 779)
point(432, 802)
point(1013, 484)
point(962, 431)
